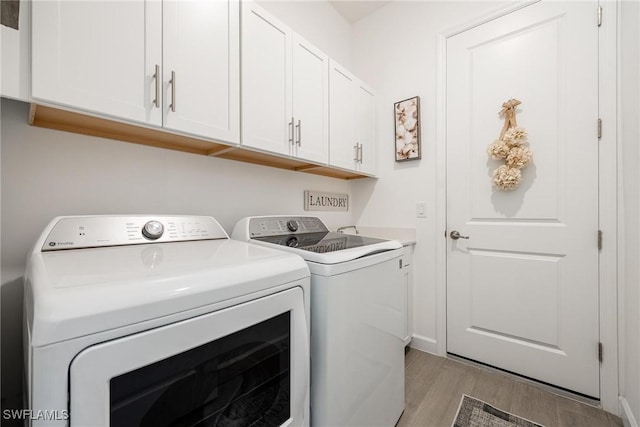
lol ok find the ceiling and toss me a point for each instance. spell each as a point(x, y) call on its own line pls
point(356, 10)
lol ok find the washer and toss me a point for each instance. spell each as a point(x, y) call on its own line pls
point(357, 318)
point(163, 320)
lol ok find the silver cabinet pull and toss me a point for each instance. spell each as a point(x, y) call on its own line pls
point(291, 131)
point(455, 235)
point(355, 150)
point(360, 153)
point(299, 128)
point(156, 77)
point(172, 82)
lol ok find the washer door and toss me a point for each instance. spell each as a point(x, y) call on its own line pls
point(243, 365)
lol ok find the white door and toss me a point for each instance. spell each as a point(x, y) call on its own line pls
point(522, 290)
point(366, 128)
point(266, 81)
point(310, 101)
point(98, 56)
point(202, 54)
point(342, 144)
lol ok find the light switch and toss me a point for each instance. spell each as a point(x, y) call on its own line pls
point(421, 210)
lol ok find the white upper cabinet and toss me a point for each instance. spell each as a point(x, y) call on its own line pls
point(285, 89)
point(352, 114)
point(266, 81)
point(310, 101)
point(117, 58)
point(366, 128)
point(343, 147)
point(98, 56)
point(15, 61)
point(201, 68)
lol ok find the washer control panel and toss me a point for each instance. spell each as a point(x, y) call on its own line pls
point(281, 225)
point(75, 232)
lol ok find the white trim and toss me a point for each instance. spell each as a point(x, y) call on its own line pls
point(608, 206)
point(427, 345)
point(628, 420)
point(608, 202)
point(507, 8)
point(441, 198)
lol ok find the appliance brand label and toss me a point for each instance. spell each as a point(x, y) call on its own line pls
point(319, 201)
point(54, 244)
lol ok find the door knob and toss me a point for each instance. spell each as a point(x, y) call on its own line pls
point(455, 235)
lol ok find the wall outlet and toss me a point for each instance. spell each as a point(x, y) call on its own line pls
point(421, 210)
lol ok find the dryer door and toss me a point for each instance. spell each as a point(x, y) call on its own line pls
point(243, 365)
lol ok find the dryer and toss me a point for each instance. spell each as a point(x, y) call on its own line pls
point(152, 320)
point(357, 318)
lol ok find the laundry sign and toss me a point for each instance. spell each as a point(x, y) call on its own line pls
point(319, 201)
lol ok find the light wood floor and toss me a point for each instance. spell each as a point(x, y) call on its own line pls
point(434, 386)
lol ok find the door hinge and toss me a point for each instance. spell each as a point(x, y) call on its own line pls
point(600, 352)
point(599, 16)
point(599, 240)
point(599, 128)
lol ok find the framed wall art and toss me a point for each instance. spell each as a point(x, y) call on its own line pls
point(407, 126)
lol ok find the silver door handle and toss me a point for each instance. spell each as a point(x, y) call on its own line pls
point(156, 76)
point(290, 125)
point(355, 150)
point(360, 153)
point(299, 128)
point(455, 235)
point(172, 82)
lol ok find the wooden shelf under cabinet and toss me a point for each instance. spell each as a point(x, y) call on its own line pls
point(74, 122)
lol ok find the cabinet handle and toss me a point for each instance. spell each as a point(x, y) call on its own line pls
point(355, 150)
point(299, 128)
point(291, 131)
point(156, 77)
point(172, 82)
point(360, 153)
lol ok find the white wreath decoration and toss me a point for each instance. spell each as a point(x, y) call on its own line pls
point(511, 148)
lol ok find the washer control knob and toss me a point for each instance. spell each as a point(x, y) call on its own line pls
point(292, 225)
point(153, 230)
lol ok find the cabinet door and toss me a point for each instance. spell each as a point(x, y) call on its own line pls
point(202, 52)
point(366, 128)
point(310, 101)
point(342, 148)
point(98, 56)
point(266, 81)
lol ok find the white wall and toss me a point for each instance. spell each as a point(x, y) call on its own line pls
point(318, 22)
point(46, 173)
point(629, 65)
point(395, 51)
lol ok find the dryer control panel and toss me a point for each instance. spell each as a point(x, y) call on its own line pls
point(75, 232)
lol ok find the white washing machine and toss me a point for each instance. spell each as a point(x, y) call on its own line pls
point(357, 318)
point(163, 321)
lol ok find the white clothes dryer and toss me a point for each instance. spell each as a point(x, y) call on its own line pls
point(357, 318)
point(163, 321)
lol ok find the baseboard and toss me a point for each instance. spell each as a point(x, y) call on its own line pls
point(628, 420)
point(428, 345)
